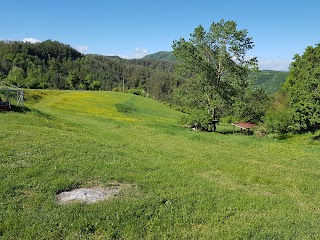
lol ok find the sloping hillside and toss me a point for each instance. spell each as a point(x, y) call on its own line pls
point(112, 106)
point(162, 55)
point(270, 80)
point(175, 183)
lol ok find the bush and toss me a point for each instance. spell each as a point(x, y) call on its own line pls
point(278, 118)
point(251, 106)
point(200, 120)
point(278, 121)
point(228, 119)
point(126, 107)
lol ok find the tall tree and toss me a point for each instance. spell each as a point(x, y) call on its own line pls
point(215, 64)
point(16, 76)
point(302, 88)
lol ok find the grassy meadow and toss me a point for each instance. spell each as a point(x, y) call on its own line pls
point(183, 184)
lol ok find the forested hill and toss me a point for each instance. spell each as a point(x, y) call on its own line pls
point(269, 80)
point(162, 55)
point(54, 65)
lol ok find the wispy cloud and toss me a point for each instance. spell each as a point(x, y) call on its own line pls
point(137, 53)
point(123, 56)
point(82, 49)
point(277, 64)
point(140, 52)
point(31, 40)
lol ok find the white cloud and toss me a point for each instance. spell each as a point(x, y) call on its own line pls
point(123, 56)
point(31, 40)
point(82, 49)
point(140, 52)
point(117, 55)
point(137, 53)
point(277, 64)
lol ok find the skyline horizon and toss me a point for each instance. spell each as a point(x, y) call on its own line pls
point(83, 50)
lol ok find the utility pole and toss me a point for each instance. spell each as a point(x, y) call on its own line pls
point(122, 83)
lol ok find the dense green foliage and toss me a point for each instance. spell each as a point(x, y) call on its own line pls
point(250, 188)
point(214, 66)
point(302, 88)
point(277, 118)
point(53, 65)
point(251, 106)
point(162, 55)
point(297, 107)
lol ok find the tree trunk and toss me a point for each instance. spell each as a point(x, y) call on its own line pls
point(214, 126)
point(214, 120)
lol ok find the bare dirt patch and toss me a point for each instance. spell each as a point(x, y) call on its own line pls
point(88, 195)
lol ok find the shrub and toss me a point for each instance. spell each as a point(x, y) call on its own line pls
point(200, 120)
point(278, 118)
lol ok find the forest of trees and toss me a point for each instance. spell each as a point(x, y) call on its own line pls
point(53, 65)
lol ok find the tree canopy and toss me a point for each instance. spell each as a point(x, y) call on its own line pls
point(302, 88)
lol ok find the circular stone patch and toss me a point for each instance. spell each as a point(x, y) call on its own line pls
point(88, 195)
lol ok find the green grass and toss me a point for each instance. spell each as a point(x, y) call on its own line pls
point(184, 184)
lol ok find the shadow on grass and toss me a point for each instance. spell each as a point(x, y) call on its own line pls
point(226, 131)
point(18, 109)
point(234, 132)
point(317, 137)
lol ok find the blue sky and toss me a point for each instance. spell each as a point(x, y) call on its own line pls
point(132, 29)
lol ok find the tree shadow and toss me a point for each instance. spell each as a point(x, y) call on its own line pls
point(17, 109)
point(227, 131)
point(235, 132)
point(317, 137)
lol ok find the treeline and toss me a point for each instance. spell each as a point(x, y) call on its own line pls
point(53, 65)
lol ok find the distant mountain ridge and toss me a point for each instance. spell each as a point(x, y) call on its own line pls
point(162, 56)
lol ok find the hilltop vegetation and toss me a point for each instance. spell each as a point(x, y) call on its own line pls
point(269, 80)
point(54, 65)
point(162, 55)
